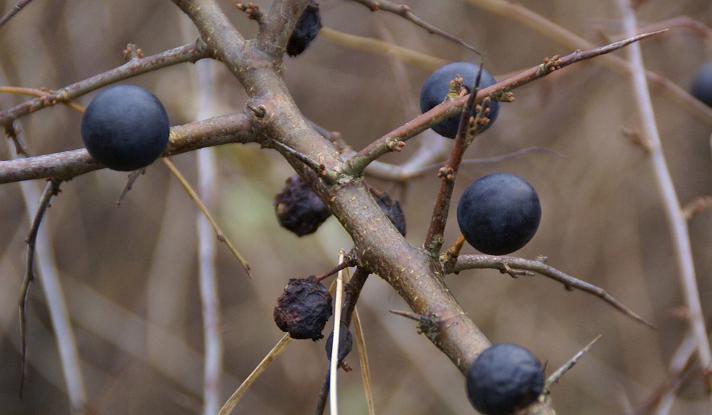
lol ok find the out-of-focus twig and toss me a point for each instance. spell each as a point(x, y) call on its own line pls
point(205, 89)
point(662, 399)
point(696, 206)
point(509, 264)
point(254, 375)
point(363, 361)
point(404, 11)
point(366, 44)
point(201, 206)
point(676, 219)
point(17, 8)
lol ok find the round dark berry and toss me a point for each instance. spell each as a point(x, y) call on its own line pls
point(393, 211)
point(346, 343)
point(499, 213)
point(125, 128)
point(702, 85)
point(303, 308)
point(503, 379)
point(298, 208)
point(436, 88)
point(305, 31)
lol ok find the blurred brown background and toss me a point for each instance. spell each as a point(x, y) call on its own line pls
point(130, 273)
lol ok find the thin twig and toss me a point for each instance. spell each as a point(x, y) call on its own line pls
point(403, 10)
point(466, 132)
point(254, 375)
point(35, 92)
point(363, 361)
point(15, 9)
point(562, 36)
point(560, 372)
point(333, 376)
point(13, 131)
point(187, 53)
point(671, 203)
point(51, 189)
point(503, 263)
point(453, 107)
point(199, 203)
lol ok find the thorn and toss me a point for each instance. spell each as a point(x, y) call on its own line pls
point(556, 376)
point(259, 110)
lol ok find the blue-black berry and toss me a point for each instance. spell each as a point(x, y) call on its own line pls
point(303, 308)
point(305, 31)
point(298, 208)
point(346, 343)
point(125, 128)
point(503, 379)
point(436, 88)
point(498, 214)
point(702, 85)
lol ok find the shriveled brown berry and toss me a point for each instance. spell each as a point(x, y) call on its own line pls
point(305, 31)
point(298, 208)
point(303, 308)
point(346, 343)
point(393, 210)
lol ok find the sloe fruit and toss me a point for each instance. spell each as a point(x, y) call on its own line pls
point(303, 308)
point(498, 214)
point(125, 128)
point(298, 208)
point(393, 211)
point(436, 88)
point(503, 379)
point(702, 85)
point(346, 343)
point(305, 31)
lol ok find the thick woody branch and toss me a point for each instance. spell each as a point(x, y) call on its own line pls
point(452, 107)
point(233, 128)
point(408, 269)
point(187, 53)
point(510, 265)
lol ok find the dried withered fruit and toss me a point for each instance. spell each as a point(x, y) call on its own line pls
point(303, 308)
point(346, 343)
point(393, 210)
point(298, 208)
point(305, 31)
